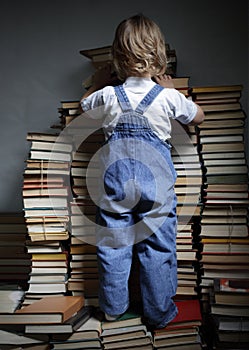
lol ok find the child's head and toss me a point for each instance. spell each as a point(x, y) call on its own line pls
point(138, 48)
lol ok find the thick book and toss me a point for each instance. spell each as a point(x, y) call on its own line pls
point(53, 309)
point(188, 310)
point(128, 342)
point(230, 310)
point(231, 285)
point(215, 89)
point(129, 318)
point(121, 333)
point(191, 338)
point(70, 326)
point(231, 324)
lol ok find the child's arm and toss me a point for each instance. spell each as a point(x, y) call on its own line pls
point(166, 81)
point(199, 117)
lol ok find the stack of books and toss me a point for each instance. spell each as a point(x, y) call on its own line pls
point(183, 333)
point(224, 225)
point(87, 336)
point(83, 274)
point(68, 111)
point(45, 201)
point(101, 56)
point(14, 260)
point(127, 332)
point(188, 191)
point(45, 191)
point(230, 312)
point(37, 321)
point(83, 278)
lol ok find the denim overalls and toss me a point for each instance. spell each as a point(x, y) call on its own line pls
point(137, 213)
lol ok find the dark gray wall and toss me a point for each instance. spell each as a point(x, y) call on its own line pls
point(40, 64)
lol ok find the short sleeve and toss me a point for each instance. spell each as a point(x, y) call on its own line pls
point(98, 104)
point(183, 110)
point(93, 105)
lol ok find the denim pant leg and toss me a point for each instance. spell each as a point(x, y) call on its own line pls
point(158, 273)
point(114, 270)
point(114, 253)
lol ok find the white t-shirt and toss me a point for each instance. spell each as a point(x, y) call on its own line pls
point(170, 103)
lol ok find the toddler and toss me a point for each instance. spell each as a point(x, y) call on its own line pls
point(137, 209)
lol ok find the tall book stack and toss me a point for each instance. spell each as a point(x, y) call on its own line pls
point(14, 259)
point(224, 225)
point(83, 259)
point(83, 275)
point(45, 202)
point(188, 190)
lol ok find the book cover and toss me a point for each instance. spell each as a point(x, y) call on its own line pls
point(53, 309)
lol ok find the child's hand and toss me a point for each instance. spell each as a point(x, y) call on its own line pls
point(103, 77)
point(164, 80)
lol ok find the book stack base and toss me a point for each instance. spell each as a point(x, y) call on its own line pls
point(224, 219)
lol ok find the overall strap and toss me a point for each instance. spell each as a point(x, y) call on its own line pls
point(143, 105)
point(123, 99)
point(148, 99)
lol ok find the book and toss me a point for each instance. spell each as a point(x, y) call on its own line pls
point(71, 325)
point(232, 298)
point(114, 334)
point(231, 285)
point(189, 314)
point(215, 89)
point(88, 286)
point(91, 329)
point(85, 344)
point(50, 155)
point(129, 318)
point(230, 310)
point(54, 309)
point(47, 137)
point(234, 337)
point(188, 310)
point(90, 53)
point(45, 202)
point(226, 258)
point(70, 104)
point(51, 146)
point(228, 323)
point(9, 339)
point(190, 338)
point(134, 341)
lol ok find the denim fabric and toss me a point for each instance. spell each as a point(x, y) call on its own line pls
point(137, 213)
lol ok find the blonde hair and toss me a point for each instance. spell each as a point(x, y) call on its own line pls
point(138, 48)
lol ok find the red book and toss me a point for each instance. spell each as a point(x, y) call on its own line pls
point(189, 316)
point(188, 310)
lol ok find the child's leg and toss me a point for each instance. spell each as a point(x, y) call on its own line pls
point(114, 271)
point(115, 236)
point(158, 273)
